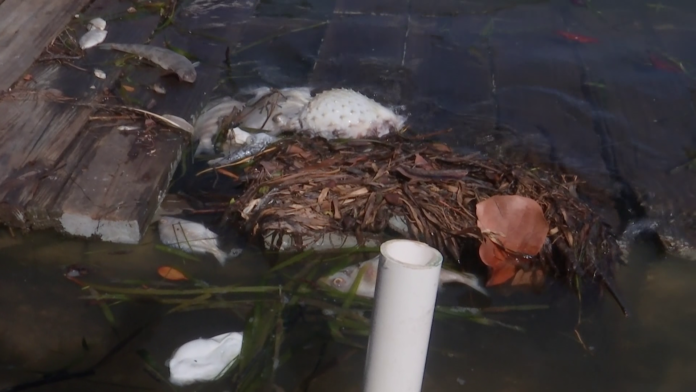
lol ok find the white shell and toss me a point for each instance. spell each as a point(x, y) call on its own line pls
point(92, 38)
point(180, 122)
point(206, 125)
point(345, 113)
point(204, 359)
point(99, 73)
point(97, 23)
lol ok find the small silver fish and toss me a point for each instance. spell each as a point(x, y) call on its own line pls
point(165, 58)
point(275, 111)
point(343, 279)
point(192, 237)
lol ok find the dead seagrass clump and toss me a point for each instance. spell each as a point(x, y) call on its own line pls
point(306, 190)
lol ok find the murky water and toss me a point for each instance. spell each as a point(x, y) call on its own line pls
point(606, 109)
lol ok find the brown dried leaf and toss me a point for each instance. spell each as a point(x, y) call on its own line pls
point(295, 149)
point(393, 199)
point(337, 210)
point(420, 161)
point(322, 195)
point(517, 222)
point(440, 147)
point(128, 88)
point(528, 278)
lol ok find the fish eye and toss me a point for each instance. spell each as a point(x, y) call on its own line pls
point(338, 282)
point(279, 119)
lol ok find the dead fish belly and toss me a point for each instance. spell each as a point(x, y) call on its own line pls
point(165, 58)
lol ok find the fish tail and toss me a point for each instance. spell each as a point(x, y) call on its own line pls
point(447, 276)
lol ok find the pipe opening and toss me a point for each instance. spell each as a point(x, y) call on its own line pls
point(411, 253)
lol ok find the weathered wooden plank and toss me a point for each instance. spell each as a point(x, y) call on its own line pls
point(539, 92)
point(26, 27)
point(116, 188)
point(38, 131)
point(363, 52)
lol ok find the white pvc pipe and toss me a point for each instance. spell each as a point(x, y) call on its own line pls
point(407, 284)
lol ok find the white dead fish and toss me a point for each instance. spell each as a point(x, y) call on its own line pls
point(99, 73)
point(92, 38)
point(274, 110)
point(180, 122)
point(204, 359)
point(165, 58)
point(343, 279)
point(191, 237)
point(345, 113)
point(96, 23)
point(207, 123)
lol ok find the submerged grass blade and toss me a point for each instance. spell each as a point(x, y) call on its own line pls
point(105, 309)
point(471, 314)
point(176, 252)
point(354, 287)
point(168, 292)
point(293, 260)
point(153, 368)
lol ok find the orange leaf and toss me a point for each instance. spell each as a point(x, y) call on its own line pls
point(128, 88)
point(501, 275)
point(492, 255)
point(170, 273)
point(517, 222)
point(528, 278)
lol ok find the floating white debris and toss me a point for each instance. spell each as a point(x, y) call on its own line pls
point(207, 124)
point(204, 359)
point(92, 38)
point(96, 23)
point(345, 113)
point(158, 89)
point(131, 10)
point(180, 122)
point(128, 127)
point(191, 237)
point(99, 73)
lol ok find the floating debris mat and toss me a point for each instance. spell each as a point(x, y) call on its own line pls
point(310, 188)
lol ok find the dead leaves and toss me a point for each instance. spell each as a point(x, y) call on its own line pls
point(515, 229)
